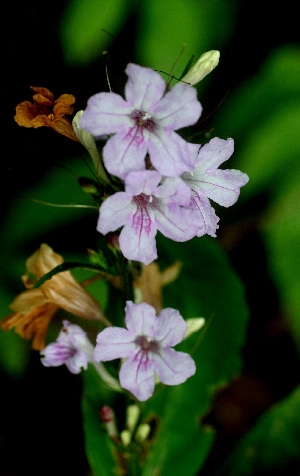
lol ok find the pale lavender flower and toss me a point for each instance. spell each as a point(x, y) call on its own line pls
point(71, 348)
point(144, 122)
point(206, 182)
point(147, 345)
point(144, 208)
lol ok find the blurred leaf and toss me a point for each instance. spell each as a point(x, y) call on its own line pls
point(207, 286)
point(272, 148)
point(272, 446)
point(263, 116)
point(281, 231)
point(81, 30)
point(276, 84)
point(164, 27)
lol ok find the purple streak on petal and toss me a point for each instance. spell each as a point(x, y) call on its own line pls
point(223, 186)
point(137, 376)
point(114, 343)
point(114, 212)
point(137, 240)
point(144, 88)
point(173, 367)
point(206, 218)
point(169, 328)
point(126, 151)
point(178, 108)
point(106, 113)
point(169, 153)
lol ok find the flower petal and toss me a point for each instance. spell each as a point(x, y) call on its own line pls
point(213, 154)
point(169, 153)
point(172, 367)
point(137, 238)
point(207, 220)
point(140, 318)
point(174, 190)
point(175, 222)
point(77, 362)
point(144, 87)
point(178, 108)
point(114, 212)
point(138, 377)
point(223, 186)
point(113, 343)
point(169, 329)
point(106, 113)
point(145, 181)
point(125, 151)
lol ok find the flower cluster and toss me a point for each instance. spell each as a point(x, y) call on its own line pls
point(166, 185)
point(168, 181)
point(146, 345)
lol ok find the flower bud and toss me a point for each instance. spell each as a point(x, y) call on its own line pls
point(205, 64)
point(194, 324)
point(88, 141)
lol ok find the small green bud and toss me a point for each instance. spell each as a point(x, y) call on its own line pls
point(193, 324)
point(142, 432)
point(205, 64)
point(89, 186)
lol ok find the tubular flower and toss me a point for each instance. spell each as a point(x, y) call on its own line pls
point(34, 308)
point(146, 345)
point(72, 348)
point(207, 181)
point(144, 122)
point(144, 208)
point(45, 111)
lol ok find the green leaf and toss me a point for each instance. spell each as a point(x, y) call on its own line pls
point(207, 286)
point(81, 30)
point(272, 445)
point(281, 232)
point(66, 266)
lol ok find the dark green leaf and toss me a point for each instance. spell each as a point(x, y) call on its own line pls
point(207, 286)
point(272, 446)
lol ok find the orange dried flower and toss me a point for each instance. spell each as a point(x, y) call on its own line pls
point(34, 308)
point(45, 111)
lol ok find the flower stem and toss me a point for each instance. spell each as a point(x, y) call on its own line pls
point(106, 377)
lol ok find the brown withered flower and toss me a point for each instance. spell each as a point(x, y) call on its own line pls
point(148, 286)
point(34, 308)
point(45, 111)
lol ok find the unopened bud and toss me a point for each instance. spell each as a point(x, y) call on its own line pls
point(194, 324)
point(89, 186)
point(142, 432)
point(108, 418)
point(132, 416)
point(205, 64)
point(88, 141)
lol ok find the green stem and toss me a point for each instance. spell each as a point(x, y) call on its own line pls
point(127, 281)
point(107, 378)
